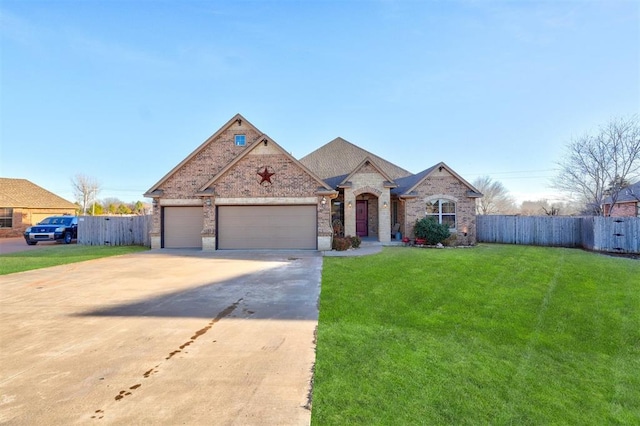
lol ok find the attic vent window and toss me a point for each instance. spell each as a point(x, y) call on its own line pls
point(240, 140)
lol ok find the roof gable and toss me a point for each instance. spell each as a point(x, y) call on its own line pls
point(407, 185)
point(263, 141)
point(235, 120)
point(340, 157)
point(368, 162)
point(23, 193)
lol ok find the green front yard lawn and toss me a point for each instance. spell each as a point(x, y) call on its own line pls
point(490, 335)
point(58, 255)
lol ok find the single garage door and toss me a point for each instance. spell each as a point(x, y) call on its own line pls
point(182, 227)
point(267, 227)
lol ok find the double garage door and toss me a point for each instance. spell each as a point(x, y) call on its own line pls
point(244, 227)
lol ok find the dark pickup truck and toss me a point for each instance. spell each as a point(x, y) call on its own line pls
point(54, 228)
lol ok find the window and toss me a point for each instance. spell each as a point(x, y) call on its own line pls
point(394, 212)
point(240, 140)
point(6, 217)
point(337, 218)
point(443, 210)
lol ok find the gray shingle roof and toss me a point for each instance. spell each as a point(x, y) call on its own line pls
point(334, 181)
point(23, 193)
point(406, 183)
point(340, 157)
point(626, 195)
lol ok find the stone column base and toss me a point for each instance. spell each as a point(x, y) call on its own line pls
point(324, 243)
point(156, 242)
point(208, 243)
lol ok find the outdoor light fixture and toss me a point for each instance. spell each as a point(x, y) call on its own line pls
point(464, 230)
point(349, 204)
point(208, 202)
point(323, 201)
point(385, 205)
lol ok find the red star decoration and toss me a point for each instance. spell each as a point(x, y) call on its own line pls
point(265, 175)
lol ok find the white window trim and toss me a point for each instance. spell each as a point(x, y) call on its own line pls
point(439, 214)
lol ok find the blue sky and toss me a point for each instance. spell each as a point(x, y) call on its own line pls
point(124, 90)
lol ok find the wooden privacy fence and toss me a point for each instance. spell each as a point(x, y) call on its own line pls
point(114, 230)
point(611, 234)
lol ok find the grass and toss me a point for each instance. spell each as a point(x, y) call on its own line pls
point(490, 335)
point(58, 255)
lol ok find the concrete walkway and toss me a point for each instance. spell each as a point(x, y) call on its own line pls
point(161, 337)
point(366, 248)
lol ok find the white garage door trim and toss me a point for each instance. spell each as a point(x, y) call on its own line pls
point(182, 227)
point(278, 227)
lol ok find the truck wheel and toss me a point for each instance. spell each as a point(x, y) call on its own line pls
point(67, 237)
point(31, 243)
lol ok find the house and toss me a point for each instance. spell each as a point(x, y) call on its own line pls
point(627, 203)
point(23, 203)
point(241, 190)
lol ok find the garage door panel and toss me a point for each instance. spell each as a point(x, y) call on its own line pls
point(183, 227)
point(267, 227)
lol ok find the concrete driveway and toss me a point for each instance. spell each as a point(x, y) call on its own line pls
point(16, 244)
point(161, 337)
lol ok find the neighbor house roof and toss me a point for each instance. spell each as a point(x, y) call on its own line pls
point(23, 193)
point(629, 194)
point(340, 157)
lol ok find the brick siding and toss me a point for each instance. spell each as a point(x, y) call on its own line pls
point(186, 181)
point(291, 182)
point(623, 210)
point(239, 181)
point(446, 187)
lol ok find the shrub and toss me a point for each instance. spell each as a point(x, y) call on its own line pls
point(355, 241)
point(429, 229)
point(341, 243)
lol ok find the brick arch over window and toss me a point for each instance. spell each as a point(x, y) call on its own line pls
point(441, 196)
point(367, 189)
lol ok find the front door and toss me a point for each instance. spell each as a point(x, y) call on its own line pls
point(362, 218)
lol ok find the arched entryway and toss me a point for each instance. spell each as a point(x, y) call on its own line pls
point(366, 213)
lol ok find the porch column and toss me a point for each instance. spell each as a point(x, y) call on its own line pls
point(155, 232)
point(209, 228)
point(384, 216)
point(349, 212)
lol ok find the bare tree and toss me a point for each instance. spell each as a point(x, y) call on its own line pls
point(111, 204)
point(552, 210)
point(85, 189)
point(596, 166)
point(495, 199)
